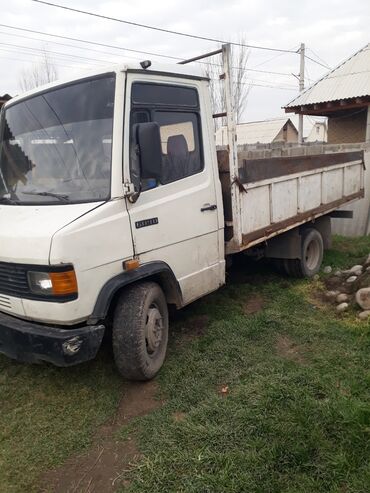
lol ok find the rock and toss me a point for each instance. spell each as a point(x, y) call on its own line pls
point(341, 298)
point(342, 307)
point(331, 295)
point(356, 270)
point(363, 298)
point(327, 269)
point(368, 269)
point(338, 273)
point(367, 262)
point(316, 277)
point(364, 315)
point(351, 279)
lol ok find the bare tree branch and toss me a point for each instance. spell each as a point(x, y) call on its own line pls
point(239, 60)
point(37, 75)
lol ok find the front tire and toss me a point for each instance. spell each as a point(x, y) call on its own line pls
point(140, 331)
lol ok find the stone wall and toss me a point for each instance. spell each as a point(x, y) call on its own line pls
point(280, 149)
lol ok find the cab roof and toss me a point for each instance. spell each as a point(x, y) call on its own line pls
point(174, 70)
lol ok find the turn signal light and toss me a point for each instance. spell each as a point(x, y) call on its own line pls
point(131, 264)
point(63, 283)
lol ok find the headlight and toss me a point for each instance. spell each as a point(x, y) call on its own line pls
point(53, 283)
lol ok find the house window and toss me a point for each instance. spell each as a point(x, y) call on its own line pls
point(176, 110)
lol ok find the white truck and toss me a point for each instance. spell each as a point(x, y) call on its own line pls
point(114, 205)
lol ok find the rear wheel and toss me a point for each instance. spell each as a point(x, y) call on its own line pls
point(312, 251)
point(140, 331)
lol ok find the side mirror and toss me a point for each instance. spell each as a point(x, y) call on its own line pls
point(150, 149)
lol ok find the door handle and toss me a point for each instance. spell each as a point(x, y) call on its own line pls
point(208, 207)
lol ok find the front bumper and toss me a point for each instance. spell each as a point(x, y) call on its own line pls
point(31, 342)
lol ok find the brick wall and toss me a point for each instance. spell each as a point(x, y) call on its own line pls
point(347, 128)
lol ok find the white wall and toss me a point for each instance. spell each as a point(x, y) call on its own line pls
point(359, 224)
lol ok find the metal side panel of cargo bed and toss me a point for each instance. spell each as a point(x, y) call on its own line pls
point(278, 194)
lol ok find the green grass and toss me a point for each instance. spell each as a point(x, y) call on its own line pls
point(296, 417)
point(48, 413)
point(347, 251)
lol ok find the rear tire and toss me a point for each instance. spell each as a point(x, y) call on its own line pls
point(312, 251)
point(140, 331)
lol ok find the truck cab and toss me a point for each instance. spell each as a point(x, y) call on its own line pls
point(110, 210)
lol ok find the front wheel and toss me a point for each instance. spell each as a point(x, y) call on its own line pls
point(140, 331)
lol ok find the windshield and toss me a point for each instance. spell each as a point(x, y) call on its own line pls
point(56, 146)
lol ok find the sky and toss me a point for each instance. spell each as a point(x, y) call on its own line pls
point(332, 31)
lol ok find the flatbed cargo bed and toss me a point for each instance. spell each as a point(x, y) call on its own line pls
point(279, 194)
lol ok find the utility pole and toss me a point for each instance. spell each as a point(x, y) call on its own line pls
point(301, 89)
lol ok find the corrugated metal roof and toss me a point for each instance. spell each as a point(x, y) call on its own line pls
point(262, 132)
point(351, 79)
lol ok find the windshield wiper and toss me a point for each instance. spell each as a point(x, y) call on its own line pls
point(59, 196)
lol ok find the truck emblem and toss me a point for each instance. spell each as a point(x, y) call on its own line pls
point(146, 222)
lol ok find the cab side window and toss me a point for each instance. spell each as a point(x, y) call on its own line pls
point(176, 110)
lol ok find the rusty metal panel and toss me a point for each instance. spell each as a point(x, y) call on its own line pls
point(261, 169)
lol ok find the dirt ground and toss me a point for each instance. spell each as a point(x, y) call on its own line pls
point(288, 349)
point(254, 304)
point(100, 469)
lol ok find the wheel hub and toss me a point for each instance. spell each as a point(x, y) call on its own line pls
point(153, 329)
point(312, 254)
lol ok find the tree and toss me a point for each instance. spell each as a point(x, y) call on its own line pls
point(214, 68)
point(40, 73)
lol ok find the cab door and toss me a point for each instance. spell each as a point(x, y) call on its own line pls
point(175, 219)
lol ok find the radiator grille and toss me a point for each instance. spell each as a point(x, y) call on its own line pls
point(13, 280)
point(5, 302)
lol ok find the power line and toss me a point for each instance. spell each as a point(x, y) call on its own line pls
point(294, 50)
point(95, 60)
point(129, 49)
point(154, 28)
point(248, 81)
point(318, 63)
point(320, 59)
point(54, 52)
point(263, 71)
point(89, 42)
point(261, 85)
point(308, 76)
point(24, 60)
point(64, 44)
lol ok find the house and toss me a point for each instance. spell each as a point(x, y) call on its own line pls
point(343, 96)
point(262, 132)
point(318, 133)
point(4, 99)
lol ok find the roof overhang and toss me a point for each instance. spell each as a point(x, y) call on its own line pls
point(328, 107)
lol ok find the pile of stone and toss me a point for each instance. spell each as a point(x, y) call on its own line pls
point(352, 286)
